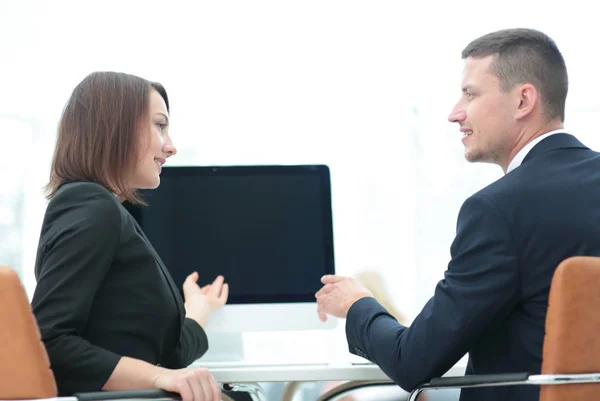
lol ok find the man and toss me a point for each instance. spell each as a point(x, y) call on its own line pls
point(510, 236)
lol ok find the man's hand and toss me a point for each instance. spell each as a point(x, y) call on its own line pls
point(191, 384)
point(200, 302)
point(337, 296)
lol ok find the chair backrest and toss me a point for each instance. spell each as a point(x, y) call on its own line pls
point(24, 366)
point(572, 340)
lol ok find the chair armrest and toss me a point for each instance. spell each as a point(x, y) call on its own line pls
point(506, 379)
point(154, 395)
point(503, 379)
point(475, 380)
point(350, 386)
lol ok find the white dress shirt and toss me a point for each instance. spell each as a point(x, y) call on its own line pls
point(518, 159)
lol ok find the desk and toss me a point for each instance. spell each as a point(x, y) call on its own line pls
point(315, 356)
point(232, 374)
point(319, 356)
point(236, 373)
point(294, 373)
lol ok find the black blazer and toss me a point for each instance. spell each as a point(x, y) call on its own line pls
point(102, 292)
point(493, 299)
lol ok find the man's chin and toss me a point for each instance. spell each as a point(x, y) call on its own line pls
point(477, 156)
point(472, 157)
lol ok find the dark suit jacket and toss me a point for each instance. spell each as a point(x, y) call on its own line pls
point(102, 292)
point(493, 299)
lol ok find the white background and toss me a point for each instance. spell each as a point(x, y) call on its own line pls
point(363, 86)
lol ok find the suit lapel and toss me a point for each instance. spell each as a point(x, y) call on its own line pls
point(165, 272)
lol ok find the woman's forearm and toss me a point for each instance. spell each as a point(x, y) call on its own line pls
point(133, 374)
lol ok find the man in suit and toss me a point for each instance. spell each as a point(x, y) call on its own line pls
point(510, 235)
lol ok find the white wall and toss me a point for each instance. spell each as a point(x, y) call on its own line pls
point(363, 86)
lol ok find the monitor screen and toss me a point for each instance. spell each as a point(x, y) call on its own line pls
point(266, 229)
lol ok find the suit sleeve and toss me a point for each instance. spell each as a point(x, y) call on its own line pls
point(480, 288)
point(193, 343)
point(79, 240)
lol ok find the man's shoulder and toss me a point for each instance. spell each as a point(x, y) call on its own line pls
point(501, 187)
point(501, 196)
point(538, 179)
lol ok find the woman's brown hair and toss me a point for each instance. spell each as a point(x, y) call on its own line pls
point(99, 132)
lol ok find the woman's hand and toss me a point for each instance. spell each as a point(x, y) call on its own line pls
point(201, 301)
point(191, 384)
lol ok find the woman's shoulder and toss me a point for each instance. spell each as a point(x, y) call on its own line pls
point(85, 198)
point(78, 188)
point(84, 191)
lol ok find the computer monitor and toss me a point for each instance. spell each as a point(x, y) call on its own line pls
point(266, 229)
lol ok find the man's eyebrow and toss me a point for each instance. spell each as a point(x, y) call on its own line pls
point(467, 88)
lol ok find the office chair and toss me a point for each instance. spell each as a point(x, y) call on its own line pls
point(571, 349)
point(24, 366)
point(25, 372)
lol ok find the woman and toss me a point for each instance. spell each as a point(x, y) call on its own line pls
point(108, 311)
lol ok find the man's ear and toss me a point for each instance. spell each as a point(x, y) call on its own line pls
point(527, 99)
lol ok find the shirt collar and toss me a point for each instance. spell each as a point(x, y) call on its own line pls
point(518, 159)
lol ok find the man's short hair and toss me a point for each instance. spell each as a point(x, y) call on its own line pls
point(526, 56)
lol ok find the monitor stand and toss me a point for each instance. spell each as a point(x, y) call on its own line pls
point(224, 347)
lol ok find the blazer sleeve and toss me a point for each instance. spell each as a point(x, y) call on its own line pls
point(193, 343)
point(480, 288)
point(79, 240)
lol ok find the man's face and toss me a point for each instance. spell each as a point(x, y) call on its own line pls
point(484, 113)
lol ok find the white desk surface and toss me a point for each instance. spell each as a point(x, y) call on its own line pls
point(303, 372)
point(306, 356)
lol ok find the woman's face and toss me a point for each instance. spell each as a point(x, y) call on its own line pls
point(156, 144)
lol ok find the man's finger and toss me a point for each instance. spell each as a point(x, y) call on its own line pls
point(322, 314)
point(332, 279)
point(326, 289)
